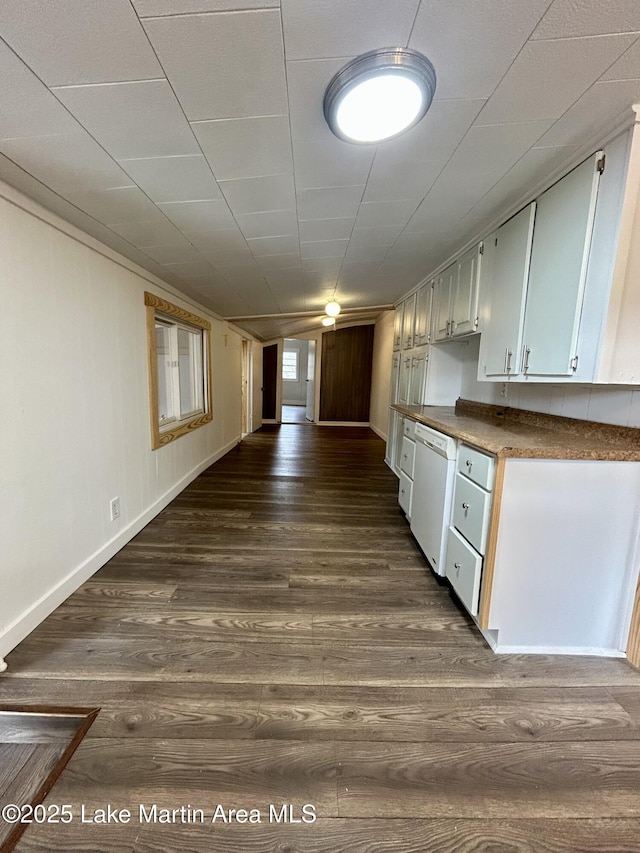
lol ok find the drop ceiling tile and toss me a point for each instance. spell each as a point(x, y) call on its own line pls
point(379, 236)
point(66, 163)
point(365, 254)
point(167, 179)
point(323, 249)
point(195, 271)
point(598, 108)
point(153, 8)
point(140, 119)
point(257, 195)
point(180, 254)
point(241, 51)
point(72, 41)
point(246, 147)
point(149, 233)
point(315, 280)
point(306, 83)
point(281, 245)
point(492, 149)
point(200, 217)
point(270, 224)
point(289, 261)
point(332, 163)
point(326, 229)
point(397, 180)
point(322, 265)
point(123, 204)
point(373, 214)
point(471, 44)
point(329, 202)
point(569, 19)
point(339, 28)
point(573, 65)
point(627, 67)
point(28, 107)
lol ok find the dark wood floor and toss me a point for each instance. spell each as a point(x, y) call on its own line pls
point(274, 637)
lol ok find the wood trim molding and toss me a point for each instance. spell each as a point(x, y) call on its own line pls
point(633, 642)
point(492, 545)
point(166, 307)
point(160, 438)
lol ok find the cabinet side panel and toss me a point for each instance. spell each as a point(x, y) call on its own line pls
point(564, 567)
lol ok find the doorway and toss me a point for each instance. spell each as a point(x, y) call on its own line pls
point(295, 381)
point(247, 387)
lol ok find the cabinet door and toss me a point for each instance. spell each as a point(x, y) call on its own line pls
point(423, 314)
point(559, 256)
point(395, 375)
point(509, 274)
point(408, 322)
point(398, 321)
point(464, 302)
point(442, 303)
point(404, 380)
point(417, 378)
point(397, 438)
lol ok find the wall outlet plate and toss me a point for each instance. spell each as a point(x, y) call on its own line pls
point(114, 505)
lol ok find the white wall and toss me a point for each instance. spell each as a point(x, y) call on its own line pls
point(381, 374)
point(75, 425)
point(612, 404)
point(295, 393)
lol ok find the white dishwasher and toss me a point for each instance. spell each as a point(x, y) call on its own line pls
point(434, 472)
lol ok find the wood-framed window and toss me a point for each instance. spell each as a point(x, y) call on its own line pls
point(178, 347)
point(291, 365)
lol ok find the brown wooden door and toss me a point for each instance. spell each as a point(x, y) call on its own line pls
point(345, 385)
point(269, 381)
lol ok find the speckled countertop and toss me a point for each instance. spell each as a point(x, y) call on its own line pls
point(519, 433)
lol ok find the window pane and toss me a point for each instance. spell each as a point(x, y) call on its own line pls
point(166, 409)
point(290, 365)
point(190, 370)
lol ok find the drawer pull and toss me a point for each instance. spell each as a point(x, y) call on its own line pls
point(469, 463)
point(465, 506)
point(402, 491)
point(457, 567)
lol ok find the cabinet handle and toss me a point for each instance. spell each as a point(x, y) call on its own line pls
point(465, 506)
point(405, 456)
point(468, 463)
point(525, 358)
point(448, 326)
point(457, 567)
point(509, 354)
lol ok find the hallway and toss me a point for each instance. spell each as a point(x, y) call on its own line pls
point(275, 637)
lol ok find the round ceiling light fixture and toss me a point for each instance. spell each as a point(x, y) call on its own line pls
point(379, 95)
point(328, 321)
point(332, 309)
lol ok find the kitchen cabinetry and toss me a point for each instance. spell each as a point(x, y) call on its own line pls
point(407, 462)
point(418, 377)
point(456, 297)
point(408, 322)
point(404, 378)
point(422, 334)
point(398, 321)
point(467, 537)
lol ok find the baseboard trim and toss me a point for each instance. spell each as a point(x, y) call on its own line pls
point(379, 432)
point(31, 618)
point(344, 423)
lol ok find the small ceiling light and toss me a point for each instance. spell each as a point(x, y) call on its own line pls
point(328, 321)
point(332, 309)
point(379, 94)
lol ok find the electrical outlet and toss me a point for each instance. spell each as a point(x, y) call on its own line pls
point(115, 508)
point(503, 389)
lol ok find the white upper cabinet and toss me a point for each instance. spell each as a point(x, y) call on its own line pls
point(441, 309)
point(408, 321)
point(455, 297)
point(398, 323)
point(509, 250)
point(464, 303)
point(418, 374)
point(423, 314)
point(557, 274)
point(404, 379)
point(395, 374)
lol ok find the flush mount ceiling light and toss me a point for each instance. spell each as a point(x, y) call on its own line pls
point(332, 309)
point(328, 321)
point(379, 95)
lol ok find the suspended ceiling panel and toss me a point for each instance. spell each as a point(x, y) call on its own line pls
point(189, 134)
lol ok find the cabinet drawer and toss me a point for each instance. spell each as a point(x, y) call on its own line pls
point(471, 506)
point(464, 570)
point(476, 466)
point(407, 459)
point(409, 428)
point(405, 491)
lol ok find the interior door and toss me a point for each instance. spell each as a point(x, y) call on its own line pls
point(269, 381)
point(311, 384)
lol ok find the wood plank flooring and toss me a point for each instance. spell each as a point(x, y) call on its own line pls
point(275, 637)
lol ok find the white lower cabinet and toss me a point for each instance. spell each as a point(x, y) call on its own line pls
point(407, 464)
point(464, 570)
point(405, 490)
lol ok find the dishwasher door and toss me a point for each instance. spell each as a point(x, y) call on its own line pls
point(434, 473)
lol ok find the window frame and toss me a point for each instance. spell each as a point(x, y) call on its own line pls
point(159, 309)
point(296, 353)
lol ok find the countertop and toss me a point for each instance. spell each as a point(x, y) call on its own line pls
point(519, 433)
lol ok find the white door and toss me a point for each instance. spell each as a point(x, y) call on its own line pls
point(404, 381)
point(408, 322)
point(509, 274)
point(423, 314)
point(395, 374)
point(442, 303)
point(417, 378)
point(464, 304)
point(561, 243)
point(398, 322)
point(311, 385)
